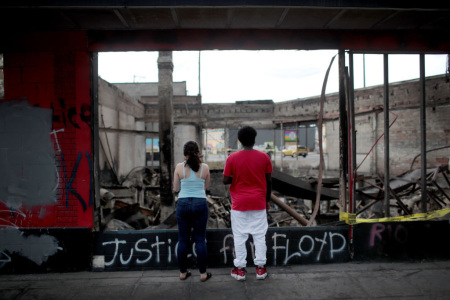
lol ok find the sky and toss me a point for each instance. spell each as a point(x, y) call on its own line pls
point(279, 75)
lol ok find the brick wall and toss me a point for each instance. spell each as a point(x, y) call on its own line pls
point(59, 82)
point(404, 134)
point(404, 101)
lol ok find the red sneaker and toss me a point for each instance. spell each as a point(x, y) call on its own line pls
point(261, 272)
point(238, 273)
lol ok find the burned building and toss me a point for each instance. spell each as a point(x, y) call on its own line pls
point(51, 198)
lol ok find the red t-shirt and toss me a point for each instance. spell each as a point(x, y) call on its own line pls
point(249, 187)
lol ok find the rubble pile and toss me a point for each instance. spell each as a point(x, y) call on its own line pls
point(132, 205)
point(405, 193)
point(135, 204)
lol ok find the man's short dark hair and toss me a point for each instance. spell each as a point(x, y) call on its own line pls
point(247, 136)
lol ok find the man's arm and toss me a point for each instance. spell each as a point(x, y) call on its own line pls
point(269, 189)
point(227, 179)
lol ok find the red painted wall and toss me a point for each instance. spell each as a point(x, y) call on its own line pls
point(61, 81)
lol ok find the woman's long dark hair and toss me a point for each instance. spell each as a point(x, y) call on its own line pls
point(192, 151)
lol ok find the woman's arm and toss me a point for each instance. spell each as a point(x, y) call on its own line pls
point(176, 178)
point(208, 177)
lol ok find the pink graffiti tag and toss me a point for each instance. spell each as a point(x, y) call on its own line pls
point(400, 233)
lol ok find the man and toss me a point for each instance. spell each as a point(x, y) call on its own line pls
point(249, 173)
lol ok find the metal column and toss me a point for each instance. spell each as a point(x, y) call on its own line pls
point(95, 139)
point(281, 145)
point(386, 136)
point(298, 140)
point(352, 137)
point(205, 155)
point(343, 129)
point(274, 147)
point(423, 134)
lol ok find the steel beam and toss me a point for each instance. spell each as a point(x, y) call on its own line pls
point(95, 138)
point(343, 130)
point(352, 135)
point(386, 136)
point(423, 135)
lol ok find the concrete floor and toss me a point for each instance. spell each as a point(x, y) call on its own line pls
point(401, 280)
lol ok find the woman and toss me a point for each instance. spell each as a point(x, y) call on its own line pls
point(191, 179)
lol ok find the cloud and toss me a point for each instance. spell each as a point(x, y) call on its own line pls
point(227, 76)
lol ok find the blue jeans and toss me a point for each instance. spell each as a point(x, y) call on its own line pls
point(192, 216)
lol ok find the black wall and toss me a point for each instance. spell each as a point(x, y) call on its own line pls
point(72, 249)
point(402, 240)
point(285, 246)
point(45, 250)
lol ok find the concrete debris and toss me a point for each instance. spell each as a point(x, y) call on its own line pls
point(114, 225)
point(106, 195)
point(135, 202)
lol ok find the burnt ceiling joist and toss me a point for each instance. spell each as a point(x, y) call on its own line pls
point(213, 14)
point(257, 24)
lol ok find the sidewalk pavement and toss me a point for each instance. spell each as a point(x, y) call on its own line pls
point(401, 280)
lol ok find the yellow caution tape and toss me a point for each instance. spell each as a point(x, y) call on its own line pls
point(351, 219)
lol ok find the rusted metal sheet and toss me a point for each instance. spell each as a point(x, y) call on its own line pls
point(295, 187)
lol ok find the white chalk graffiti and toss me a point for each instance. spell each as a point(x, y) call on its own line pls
point(312, 243)
point(225, 247)
point(54, 133)
point(142, 251)
point(10, 211)
point(4, 259)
